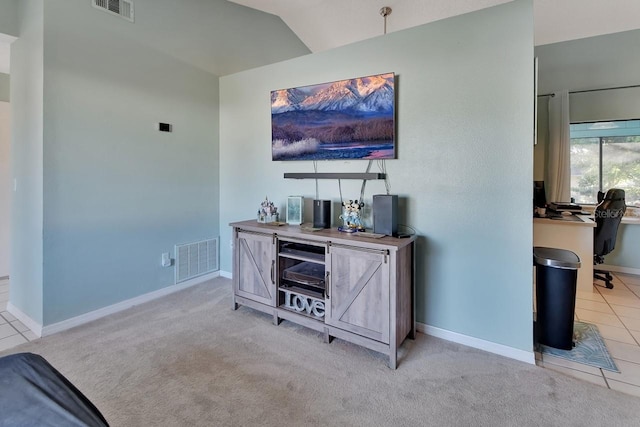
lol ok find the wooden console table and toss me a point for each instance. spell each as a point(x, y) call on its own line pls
point(357, 289)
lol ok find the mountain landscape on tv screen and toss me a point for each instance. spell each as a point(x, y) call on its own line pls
point(347, 119)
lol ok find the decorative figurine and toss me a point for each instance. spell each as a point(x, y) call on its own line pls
point(351, 216)
point(268, 212)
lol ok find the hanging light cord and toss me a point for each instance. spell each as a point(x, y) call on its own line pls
point(315, 170)
point(385, 11)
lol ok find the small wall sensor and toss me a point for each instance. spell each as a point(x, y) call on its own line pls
point(165, 127)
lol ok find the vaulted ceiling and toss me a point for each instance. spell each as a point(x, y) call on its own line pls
point(217, 36)
point(224, 37)
point(325, 24)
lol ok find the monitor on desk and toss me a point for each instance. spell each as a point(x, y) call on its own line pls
point(539, 195)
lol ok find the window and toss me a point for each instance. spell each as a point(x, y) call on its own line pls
point(605, 155)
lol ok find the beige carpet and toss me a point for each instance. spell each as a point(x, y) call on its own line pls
point(188, 359)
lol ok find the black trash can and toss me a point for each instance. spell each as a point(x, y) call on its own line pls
point(556, 279)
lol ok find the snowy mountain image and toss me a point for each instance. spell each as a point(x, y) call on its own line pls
point(347, 119)
point(337, 97)
point(286, 100)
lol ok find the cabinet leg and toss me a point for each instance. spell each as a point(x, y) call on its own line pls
point(412, 332)
point(327, 338)
point(276, 319)
point(235, 306)
point(393, 360)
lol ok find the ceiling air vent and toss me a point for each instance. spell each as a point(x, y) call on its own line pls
point(121, 8)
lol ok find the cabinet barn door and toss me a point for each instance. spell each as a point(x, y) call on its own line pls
point(256, 268)
point(358, 298)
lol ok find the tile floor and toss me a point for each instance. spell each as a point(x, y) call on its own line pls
point(616, 313)
point(12, 331)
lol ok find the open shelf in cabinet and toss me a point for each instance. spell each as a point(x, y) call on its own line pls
point(301, 290)
point(302, 251)
point(302, 301)
point(306, 274)
point(301, 281)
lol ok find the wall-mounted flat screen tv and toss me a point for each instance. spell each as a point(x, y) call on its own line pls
point(343, 120)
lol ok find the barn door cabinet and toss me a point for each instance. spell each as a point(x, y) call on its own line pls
point(357, 289)
point(255, 267)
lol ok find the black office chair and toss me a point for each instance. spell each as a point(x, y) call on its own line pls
point(608, 215)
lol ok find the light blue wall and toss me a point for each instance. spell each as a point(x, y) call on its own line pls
point(9, 21)
point(218, 36)
point(589, 63)
point(618, 104)
point(4, 87)
point(465, 109)
point(626, 253)
point(118, 193)
point(594, 63)
point(27, 162)
point(5, 187)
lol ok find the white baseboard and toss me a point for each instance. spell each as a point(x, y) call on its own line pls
point(491, 347)
point(123, 305)
point(39, 330)
point(616, 269)
point(34, 326)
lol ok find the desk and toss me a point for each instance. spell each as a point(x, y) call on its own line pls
point(576, 236)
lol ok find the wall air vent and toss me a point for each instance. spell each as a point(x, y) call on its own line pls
point(121, 8)
point(195, 259)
